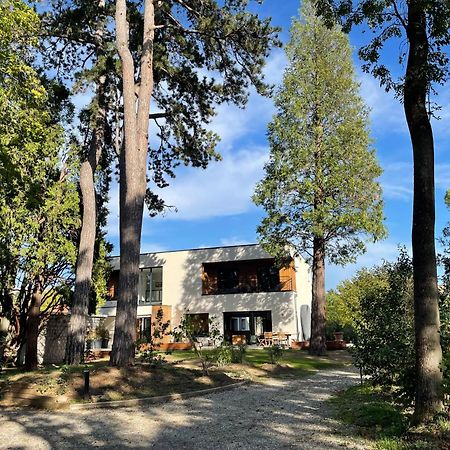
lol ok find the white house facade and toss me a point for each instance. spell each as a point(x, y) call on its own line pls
point(238, 287)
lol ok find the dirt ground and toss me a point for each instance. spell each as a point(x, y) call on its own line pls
point(275, 414)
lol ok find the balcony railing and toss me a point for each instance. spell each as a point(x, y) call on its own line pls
point(285, 285)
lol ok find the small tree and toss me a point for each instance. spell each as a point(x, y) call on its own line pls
point(384, 326)
point(188, 329)
point(320, 192)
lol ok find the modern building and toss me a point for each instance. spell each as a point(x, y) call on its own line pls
point(239, 287)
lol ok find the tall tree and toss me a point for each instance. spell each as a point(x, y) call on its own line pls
point(425, 24)
point(77, 40)
point(164, 59)
point(320, 192)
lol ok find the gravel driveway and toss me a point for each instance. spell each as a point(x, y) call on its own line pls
point(277, 414)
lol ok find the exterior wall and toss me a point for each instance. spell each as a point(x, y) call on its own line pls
point(52, 340)
point(182, 288)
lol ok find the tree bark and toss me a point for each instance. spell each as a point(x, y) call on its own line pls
point(74, 353)
point(133, 181)
point(32, 330)
point(318, 308)
point(428, 398)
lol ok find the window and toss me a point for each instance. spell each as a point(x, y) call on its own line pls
point(268, 278)
point(200, 323)
point(152, 280)
point(240, 324)
point(143, 328)
point(228, 279)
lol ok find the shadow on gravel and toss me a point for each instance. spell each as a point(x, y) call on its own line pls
point(275, 415)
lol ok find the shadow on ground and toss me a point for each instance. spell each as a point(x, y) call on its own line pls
point(276, 414)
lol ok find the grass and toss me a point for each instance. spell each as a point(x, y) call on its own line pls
point(373, 414)
point(293, 363)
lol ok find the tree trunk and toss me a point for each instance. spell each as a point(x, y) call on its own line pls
point(32, 331)
point(133, 182)
point(83, 276)
point(428, 399)
point(318, 313)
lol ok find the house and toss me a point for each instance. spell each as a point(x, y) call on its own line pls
point(237, 286)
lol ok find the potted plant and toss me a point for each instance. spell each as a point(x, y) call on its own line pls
point(90, 337)
point(102, 333)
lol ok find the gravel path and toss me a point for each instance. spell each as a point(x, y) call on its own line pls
point(277, 414)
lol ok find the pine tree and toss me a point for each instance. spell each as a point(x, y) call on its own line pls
point(319, 192)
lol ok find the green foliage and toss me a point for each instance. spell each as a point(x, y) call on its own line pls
point(38, 197)
point(387, 21)
point(205, 53)
point(385, 330)
point(148, 351)
point(188, 330)
point(275, 353)
point(224, 354)
point(343, 303)
point(444, 300)
point(101, 273)
point(320, 180)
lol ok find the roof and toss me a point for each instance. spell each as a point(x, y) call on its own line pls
point(194, 249)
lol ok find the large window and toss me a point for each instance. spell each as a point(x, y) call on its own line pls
point(228, 279)
point(233, 277)
point(152, 281)
point(143, 328)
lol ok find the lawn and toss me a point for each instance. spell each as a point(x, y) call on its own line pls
point(374, 415)
point(293, 363)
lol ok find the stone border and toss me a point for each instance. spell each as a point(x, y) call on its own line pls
point(154, 400)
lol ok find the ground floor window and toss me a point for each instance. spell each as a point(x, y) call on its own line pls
point(250, 324)
point(143, 328)
point(200, 323)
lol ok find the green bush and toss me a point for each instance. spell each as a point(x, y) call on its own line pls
point(384, 345)
point(224, 354)
point(275, 353)
point(238, 353)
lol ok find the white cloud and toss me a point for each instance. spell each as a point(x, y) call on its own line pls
point(386, 113)
point(397, 181)
point(223, 189)
point(234, 240)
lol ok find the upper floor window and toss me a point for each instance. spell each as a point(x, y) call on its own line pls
point(246, 276)
point(228, 279)
point(152, 286)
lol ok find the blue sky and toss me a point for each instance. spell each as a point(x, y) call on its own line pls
point(214, 206)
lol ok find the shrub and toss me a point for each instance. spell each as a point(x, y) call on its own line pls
point(238, 353)
point(275, 353)
point(148, 351)
point(384, 347)
point(224, 354)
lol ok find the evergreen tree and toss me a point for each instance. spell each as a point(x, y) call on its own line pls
point(319, 192)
